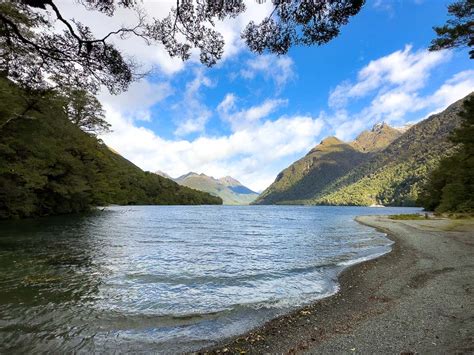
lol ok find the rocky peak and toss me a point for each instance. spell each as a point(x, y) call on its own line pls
point(191, 173)
point(326, 144)
point(380, 136)
point(380, 126)
point(331, 141)
point(229, 181)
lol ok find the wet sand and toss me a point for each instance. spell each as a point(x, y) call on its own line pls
point(417, 299)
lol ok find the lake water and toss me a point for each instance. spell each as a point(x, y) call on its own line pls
point(172, 278)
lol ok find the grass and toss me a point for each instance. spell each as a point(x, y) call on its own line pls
point(456, 215)
point(407, 217)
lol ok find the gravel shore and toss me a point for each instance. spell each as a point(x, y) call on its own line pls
point(416, 299)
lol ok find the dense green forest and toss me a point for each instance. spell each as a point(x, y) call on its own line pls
point(328, 161)
point(50, 166)
point(336, 174)
point(396, 175)
point(450, 187)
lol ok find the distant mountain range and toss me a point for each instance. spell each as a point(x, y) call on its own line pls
point(383, 166)
point(229, 189)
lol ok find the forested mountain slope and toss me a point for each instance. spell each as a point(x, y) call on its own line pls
point(49, 166)
point(396, 175)
point(325, 163)
point(382, 166)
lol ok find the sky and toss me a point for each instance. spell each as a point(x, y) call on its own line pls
point(251, 116)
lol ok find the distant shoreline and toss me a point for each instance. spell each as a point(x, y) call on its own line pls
point(417, 298)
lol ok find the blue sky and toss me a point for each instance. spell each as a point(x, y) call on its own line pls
point(251, 116)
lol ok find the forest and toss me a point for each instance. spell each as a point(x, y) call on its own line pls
point(48, 165)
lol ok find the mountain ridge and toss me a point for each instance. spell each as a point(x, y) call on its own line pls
point(386, 166)
point(377, 138)
point(229, 189)
point(327, 161)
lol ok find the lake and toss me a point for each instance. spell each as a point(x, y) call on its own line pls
point(173, 278)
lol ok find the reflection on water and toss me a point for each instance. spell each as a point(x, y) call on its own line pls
point(169, 278)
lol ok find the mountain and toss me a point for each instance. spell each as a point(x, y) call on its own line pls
point(326, 162)
point(380, 136)
point(49, 166)
point(163, 174)
point(385, 166)
point(229, 189)
point(329, 160)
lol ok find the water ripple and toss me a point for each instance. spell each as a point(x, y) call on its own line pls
point(169, 277)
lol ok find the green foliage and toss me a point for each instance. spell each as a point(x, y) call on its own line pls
point(337, 174)
point(395, 176)
point(458, 30)
point(85, 111)
point(49, 166)
point(35, 53)
point(450, 187)
point(407, 217)
point(304, 178)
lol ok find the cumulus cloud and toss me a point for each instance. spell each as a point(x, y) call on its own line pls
point(137, 102)
point(253, 155)
point(394, 105)
point(280, 69)
point(392, 87)
point(262, 142)
point(150, 57)
point(248, 117)
point(403, 70)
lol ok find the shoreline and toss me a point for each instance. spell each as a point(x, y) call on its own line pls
point(416, 298)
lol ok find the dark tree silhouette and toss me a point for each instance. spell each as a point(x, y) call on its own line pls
point(458, 30)
point(85, 111)
point(33, 53)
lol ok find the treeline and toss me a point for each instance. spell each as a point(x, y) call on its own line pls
point(431, 165)
point(396, 176)
point(450, 187)
point(50, 166)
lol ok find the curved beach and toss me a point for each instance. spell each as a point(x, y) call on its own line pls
point(416, 299)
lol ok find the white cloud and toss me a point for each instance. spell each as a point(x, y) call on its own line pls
point(141, 95)
point(460, 85)
point(388, 5)
point(154, 56)
point(262, 143)
point(404, 70)
point(252, 155)
point(136, 103)
point(248, 117)
point(392, 88)
point(232, 28)
point(394, 105)
point(280, 69)
point(191, 112)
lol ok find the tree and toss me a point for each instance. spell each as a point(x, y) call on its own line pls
point(450, 187)
point(459, 30)
point(85, 111)
point(33, 53)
